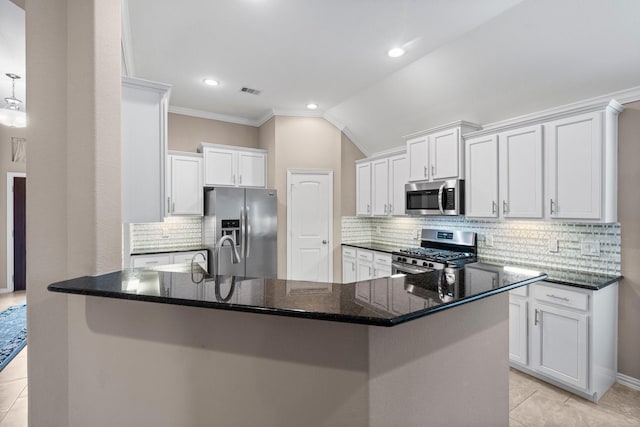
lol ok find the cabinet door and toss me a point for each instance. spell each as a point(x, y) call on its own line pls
point(444, 154)
point(252, 169)
point(417, 152)
point(186, 257)
point(518, 336)
point(348, 270)
point(363, 189)
point(185, 188)
point(574, 150)
point(380, 187)
point(398, 177)
point(380, 294)
point(521, 173)
point(141, 261)
point(219, 167)
point(481, 185)
point(364, 270)
point(560, 344)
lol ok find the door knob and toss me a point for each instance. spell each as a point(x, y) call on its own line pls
point(324, 242)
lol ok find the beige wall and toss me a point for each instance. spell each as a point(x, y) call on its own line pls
point(629, 218)
point(185, 133)
point(350, 153)
point(6, 165)
point(267, 141)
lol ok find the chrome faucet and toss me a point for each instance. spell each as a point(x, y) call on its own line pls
point(235, 258)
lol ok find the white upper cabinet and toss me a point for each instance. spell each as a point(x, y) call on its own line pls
point(438, 154)
point(398, 177)
point(144, 149)
point(444, 154)
point(184, 184)
point(520, 162)
point(575, 152)
point(418, 151)
point(380, 184)
point(481, 185)
point(233, 166)
point(363, 188)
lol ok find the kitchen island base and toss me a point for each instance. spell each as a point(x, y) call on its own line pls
point(241, 369)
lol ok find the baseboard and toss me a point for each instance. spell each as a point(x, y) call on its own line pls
point(628, 381)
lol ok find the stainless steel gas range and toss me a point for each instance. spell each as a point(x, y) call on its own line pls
point(438, 250)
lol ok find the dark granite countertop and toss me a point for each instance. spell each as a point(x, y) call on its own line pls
point(580, 279)
point(374, 246)
point(167, 250)
point(381, 302)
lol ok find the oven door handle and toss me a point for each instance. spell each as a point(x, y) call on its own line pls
point(404, 268)
point(440, 194)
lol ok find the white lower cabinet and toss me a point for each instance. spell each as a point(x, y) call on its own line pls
point(155, 260)
point(571, 335)
point(348, 265)
point(363, 264)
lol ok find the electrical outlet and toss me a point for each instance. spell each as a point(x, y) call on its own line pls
point(590, 247)
point(553, 244)
point(488, 240)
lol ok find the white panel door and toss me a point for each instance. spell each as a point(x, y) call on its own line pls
point(444, 154)
point(219, 167)
point(310, 215)
point(251, 169)
point(185, 192)
point(417, 152)
point(363, 189)
point(561, 344)
point(398, 177)
point(518, 336)
point(574, 148)
point(521, 173)
point(380, 187)
point(481, 185)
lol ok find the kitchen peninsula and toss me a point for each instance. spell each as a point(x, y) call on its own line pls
point(444, 361)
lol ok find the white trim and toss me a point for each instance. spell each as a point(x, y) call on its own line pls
point(345, 130)
point(264, 119)
point(387, 153)
point(456, 124)
point(10, 176)
point(128, 68)
point(290, 173)
point(298, 113)
point(628, 381)
point(135, 82)
point(211, 116)
point(204, 145)
point(184, 153)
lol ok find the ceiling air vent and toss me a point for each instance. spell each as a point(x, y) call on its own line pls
point(251, 91)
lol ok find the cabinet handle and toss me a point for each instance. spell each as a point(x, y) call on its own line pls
point(505, 207)
point(557, 297)
point(385, 208)
point(151, 262)
point(353, 266)
point(233, 179)
point(368, 208)
point(433, 171)
point(493, 206)
point(173, 206)
point(240, 179)
point(390, 208)
point(552, 212)
point(425, 171)
point(535, 318)
point(169, 204)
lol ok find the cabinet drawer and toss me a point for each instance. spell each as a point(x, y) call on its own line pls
point(348, 251)
point(382, 258)
point(563, 297)
point(522, 291)
point(150, 260)
point(365, 255)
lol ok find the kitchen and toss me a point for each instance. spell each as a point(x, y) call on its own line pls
point(77, 310)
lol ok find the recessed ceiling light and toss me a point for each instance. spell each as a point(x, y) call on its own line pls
point(395, 52)
point(211, 82)
point(312, 106)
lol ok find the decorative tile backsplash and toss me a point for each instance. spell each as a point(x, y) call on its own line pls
point(175, 233)
point(524, 243)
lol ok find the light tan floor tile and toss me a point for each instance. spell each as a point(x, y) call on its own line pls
point(2, 414)
point(15, 370)
point(25, 392)
point(17, 415)
point(515, 423)
point(9, 392)
point(623, 400)
point(543, 410)
point(12, 298)
point(520, 388)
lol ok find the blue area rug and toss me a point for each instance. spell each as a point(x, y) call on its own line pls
point(13, 333)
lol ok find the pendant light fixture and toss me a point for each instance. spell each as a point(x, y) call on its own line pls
point(11, 115)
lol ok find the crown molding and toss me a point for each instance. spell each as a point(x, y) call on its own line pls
point(456, 124)
point(345, 130)
point(264, 119)
point(128, 68)
point(211, 116)
point(297, 113)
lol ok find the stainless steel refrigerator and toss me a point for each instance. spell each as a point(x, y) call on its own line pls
point(250, 216)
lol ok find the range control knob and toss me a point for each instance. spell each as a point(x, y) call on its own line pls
point(425, 264)
point(431, 264)
point(413, 261)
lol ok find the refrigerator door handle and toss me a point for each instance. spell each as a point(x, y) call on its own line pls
point(247, 227)
point(243, 233)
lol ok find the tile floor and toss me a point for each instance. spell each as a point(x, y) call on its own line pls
point(13, 378)
point(532, 403)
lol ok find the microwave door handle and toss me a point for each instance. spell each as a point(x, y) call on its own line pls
point(440, 195)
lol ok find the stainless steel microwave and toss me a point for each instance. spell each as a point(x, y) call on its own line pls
point(435, 198)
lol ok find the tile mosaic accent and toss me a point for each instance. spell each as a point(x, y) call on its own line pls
point(517, 242)
point(175, 233)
